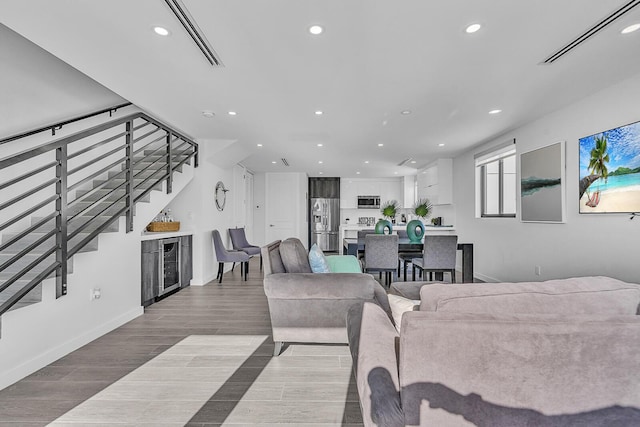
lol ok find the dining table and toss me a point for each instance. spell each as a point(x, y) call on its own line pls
point(351, 246)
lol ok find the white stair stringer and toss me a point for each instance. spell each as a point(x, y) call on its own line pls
point(38, 334)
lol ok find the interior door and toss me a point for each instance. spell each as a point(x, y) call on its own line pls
point(249, 205)
point(281, 209)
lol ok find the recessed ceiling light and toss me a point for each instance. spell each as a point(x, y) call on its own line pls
point(319, 161)
point(161, 31)
point(473, 28)
point(380, 145)
point(631, 29)
point(366, 161)
point(495, 111)
point(319, 145)
point(274, 162)
point(441, 145)
point(232, 113)
point(259, 145)
point(405, 112)
point(319, 113)
point(395, 173)
point(208, 114)
point(357, 173)
point(413, 161)
point(316, 29)
point(320, 173)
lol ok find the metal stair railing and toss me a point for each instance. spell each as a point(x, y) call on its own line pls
point(70, 190)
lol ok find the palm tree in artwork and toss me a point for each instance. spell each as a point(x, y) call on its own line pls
point(598, 166)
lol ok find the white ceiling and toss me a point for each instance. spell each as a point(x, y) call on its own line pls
point(374, 59)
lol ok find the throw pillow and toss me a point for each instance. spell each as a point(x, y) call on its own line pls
point(399, 305)
point(317, 261)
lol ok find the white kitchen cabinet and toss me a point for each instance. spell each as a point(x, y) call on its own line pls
point(348, 194)
point(435, 182)
point(391, 190)
point(408, 191)
point(368, 188)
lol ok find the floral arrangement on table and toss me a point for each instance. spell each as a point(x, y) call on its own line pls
point(422, 208)
point(389, 209)
point(415, 228)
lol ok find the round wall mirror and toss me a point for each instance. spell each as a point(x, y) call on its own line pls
point(221, 195)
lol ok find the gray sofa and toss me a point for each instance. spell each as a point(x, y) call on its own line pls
point(311, 307)
point(555, 353)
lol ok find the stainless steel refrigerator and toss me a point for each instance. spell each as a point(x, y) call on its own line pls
point(325, 221)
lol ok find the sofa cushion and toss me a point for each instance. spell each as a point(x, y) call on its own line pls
point(317, 261)
point(400, 305)
point(584, 295)
point(294, 256)
point(468, 369)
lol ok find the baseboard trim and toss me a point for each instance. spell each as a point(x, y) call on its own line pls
point(487, 279)
point(32, 365)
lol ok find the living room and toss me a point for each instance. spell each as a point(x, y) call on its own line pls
point(589, 102)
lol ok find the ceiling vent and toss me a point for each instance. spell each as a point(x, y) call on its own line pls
point(591, 32)
point(189, 24)
point(284, 161)
point(405, 161)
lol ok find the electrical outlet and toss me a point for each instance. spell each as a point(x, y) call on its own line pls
point(95, 293)
point(538, 270)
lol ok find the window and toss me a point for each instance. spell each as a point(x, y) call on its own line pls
point(496, 181)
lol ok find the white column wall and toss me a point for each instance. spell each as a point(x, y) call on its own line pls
point(508, 250)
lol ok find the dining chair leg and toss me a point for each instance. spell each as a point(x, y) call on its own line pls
point(413, 273)
point(220, 271)
point(398, 267)
point(453, 276)
point(246, 270)
point(405, 271)
point(233, 266)
point(260, 262)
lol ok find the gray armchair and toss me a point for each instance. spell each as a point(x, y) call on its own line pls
point(223, 255)
point(240, 243)
point(311, 307)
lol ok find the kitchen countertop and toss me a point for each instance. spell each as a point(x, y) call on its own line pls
point(151, 235)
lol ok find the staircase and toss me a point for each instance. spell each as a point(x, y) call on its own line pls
point(56, 199)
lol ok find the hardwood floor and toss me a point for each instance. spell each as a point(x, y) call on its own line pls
point(201, 357)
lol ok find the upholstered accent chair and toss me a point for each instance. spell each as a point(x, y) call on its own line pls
point(381, 254)
point(311, 307)
point(439, 256)
point(224, 255)
point(240, 243)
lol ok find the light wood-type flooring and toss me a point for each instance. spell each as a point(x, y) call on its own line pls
point(201, 357)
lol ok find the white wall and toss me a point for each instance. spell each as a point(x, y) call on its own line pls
point(508, 250)
point(36, 335)
point(38, 89)
point(259, 219)
point(195, 208)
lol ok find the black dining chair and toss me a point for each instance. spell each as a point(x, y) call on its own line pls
point(439, 256)
point(239, 243)
point(224, 255)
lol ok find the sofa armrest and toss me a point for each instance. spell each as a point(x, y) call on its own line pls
point(373, 342)
point(320, 286)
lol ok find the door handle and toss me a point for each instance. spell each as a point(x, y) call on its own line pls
point(270, 225)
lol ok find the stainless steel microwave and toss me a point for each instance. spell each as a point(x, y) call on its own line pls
point(368, 202)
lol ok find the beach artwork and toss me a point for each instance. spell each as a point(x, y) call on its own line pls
point(542, 184)
point(610, 171)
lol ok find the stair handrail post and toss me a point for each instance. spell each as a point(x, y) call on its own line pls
point(129, 175)
point(169, 163)
point(61, 221)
